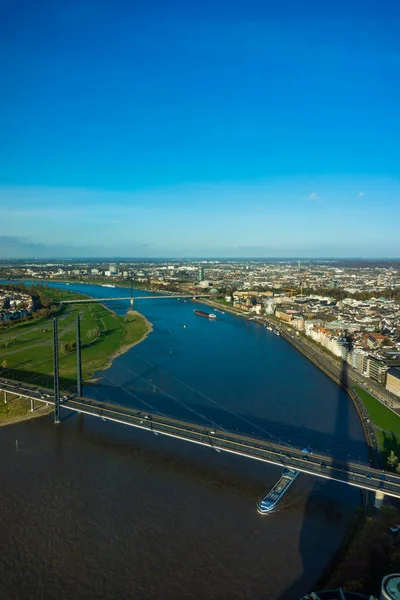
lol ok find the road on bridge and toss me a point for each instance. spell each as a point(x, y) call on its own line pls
point(135, 298)
point(320, 465)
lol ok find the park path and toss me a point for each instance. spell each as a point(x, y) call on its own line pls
point(48, 342)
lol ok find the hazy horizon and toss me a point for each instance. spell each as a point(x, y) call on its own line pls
point(199, 258)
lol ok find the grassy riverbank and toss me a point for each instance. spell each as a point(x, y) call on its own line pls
point(19, 409)
point(373, 553)
point(367, 550)
point(386, 421)
point(26, 349)
point(380, 415)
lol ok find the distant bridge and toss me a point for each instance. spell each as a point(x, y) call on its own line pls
point(320, 465)
point(133, 298)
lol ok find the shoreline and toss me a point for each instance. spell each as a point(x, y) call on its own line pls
point(43, 410)
point(108, 361)
point(354, 527)
point(126, 347)
point(357, 523)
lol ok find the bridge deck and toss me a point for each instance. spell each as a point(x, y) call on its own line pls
point(135, 298)
point(320, 465)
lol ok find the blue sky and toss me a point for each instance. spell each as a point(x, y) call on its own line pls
point(152, 128)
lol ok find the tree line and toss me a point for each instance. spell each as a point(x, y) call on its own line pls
point(41, 303)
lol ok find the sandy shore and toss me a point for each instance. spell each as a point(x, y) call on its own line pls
point(123, 349)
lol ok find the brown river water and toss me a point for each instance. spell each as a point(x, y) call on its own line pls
point(91, 510)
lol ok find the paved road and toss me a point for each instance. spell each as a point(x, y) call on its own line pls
point(339, 368)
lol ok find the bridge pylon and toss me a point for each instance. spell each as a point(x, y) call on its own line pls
point(78, 357)
point(56, 374)
point(131, 300)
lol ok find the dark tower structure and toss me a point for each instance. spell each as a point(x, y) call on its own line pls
point(131, 300)
point(78, 358)
point(56, 374)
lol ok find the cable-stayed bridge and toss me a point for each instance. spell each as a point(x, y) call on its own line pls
point(132, 299)
point(318, 464)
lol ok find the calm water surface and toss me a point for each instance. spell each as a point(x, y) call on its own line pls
point(90, 509)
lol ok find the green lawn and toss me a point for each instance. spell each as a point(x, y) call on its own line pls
point(26, 350)
point(379, 414)
point(384, 418)
point(222, 301)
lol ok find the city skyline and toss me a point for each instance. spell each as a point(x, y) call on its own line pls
point(246, 130)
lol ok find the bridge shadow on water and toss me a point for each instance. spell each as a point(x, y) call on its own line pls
point(336, 443)
point(324, 500)
point(327, 499)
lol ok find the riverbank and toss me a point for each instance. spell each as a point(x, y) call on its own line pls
point(339, 372)
point(26, 350)
point(125, 347)
point(18, 409)
point(192, 484)
point(339, 376)
point(370, 552)
point(330, 573)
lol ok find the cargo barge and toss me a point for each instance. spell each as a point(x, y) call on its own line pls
point(270, 501)
point(201, 313)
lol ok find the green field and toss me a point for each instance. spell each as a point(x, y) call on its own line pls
point(379, 414)
point(383, 418)
point(26, 349)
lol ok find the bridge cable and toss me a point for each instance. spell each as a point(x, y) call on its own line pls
point(225, 408)
point(169, 396)
point(97, 388)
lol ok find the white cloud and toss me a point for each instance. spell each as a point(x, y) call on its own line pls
point(314, 196)
point(360, 194)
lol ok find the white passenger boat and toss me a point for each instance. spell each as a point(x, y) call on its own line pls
point(270, 500)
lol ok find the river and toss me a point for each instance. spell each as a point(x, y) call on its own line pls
point(90, 509)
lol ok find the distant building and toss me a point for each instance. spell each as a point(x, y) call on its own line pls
point(298, 323)
point(257, 308)
point(374, 339)
point(355, 358)
point(393, 381)
point(205, 284)
point(376, 368)
point(200, 274)
point(283, 316)
point(113, 270)
point(270, 306)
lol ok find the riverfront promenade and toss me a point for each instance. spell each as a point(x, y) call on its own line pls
point(338, 370)
point(312, 349)
point(283, 455)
